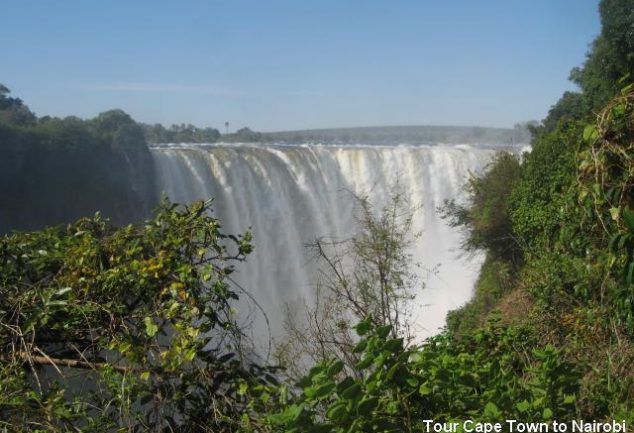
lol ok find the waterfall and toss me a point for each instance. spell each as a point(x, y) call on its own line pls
point(291, 194)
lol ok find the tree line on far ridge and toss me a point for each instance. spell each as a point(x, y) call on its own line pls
point(53, 170)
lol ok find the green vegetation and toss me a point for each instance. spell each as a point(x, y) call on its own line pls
point(569, 209)
point(368, 276)
point(133, 329)
point(487, 216)
point(158, 134)
point(243, 135)
point(128, 329)
point(145, 312)
point(104, 164)
point(486, 376)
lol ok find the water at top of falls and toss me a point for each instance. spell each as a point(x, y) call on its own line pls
point(291, 194)
point(509, 147)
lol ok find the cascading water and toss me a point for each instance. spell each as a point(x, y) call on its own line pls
point(289, 195)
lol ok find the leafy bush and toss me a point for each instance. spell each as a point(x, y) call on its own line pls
point(548, 172)
point(496, 278)
point(485, 218)
point(493, 373)
point(606, 192)
point(130, 328)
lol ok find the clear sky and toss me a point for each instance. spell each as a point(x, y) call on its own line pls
point(277, 65)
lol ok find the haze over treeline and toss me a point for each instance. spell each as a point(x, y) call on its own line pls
point(390, 135)
point(374, 135)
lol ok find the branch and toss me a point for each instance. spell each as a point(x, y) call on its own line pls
point(64, 362)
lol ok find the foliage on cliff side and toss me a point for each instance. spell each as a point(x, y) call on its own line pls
point(571, 213)
point(54, 171)
point(132, 329)
point(128, 329)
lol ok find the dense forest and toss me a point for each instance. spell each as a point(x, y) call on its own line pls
point(133, 328)
point(158, 134)
point(104, 164)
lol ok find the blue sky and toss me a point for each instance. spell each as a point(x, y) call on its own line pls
point(276, 65)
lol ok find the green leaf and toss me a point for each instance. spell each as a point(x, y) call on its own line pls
point(335, 368)
point(625, 90)
point(318, 369)
point(628, 217)
point(590, 133)
point(415, 357)
point(360, 347)
point(622, 240)
point(63, 291)
point(523, 406)
point(337, 411)
point(618, 110)
point(310, 391)
point(344, 384)
point(393, 407)
point(393, 370)
point(630, 272)
point(424, 390)
point(547, 413)
point(383, 331)
point(491, 410)
point(614, 240)
point(367, 405)
point(394, 345)
point(293, 412)
point(351, 392)
point(56, 303)
point(150, 327)
point(363, 327)
point(364, 363)
point(324, 390)
point(304, 382)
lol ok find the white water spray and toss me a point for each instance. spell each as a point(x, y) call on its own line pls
point(289, 195)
